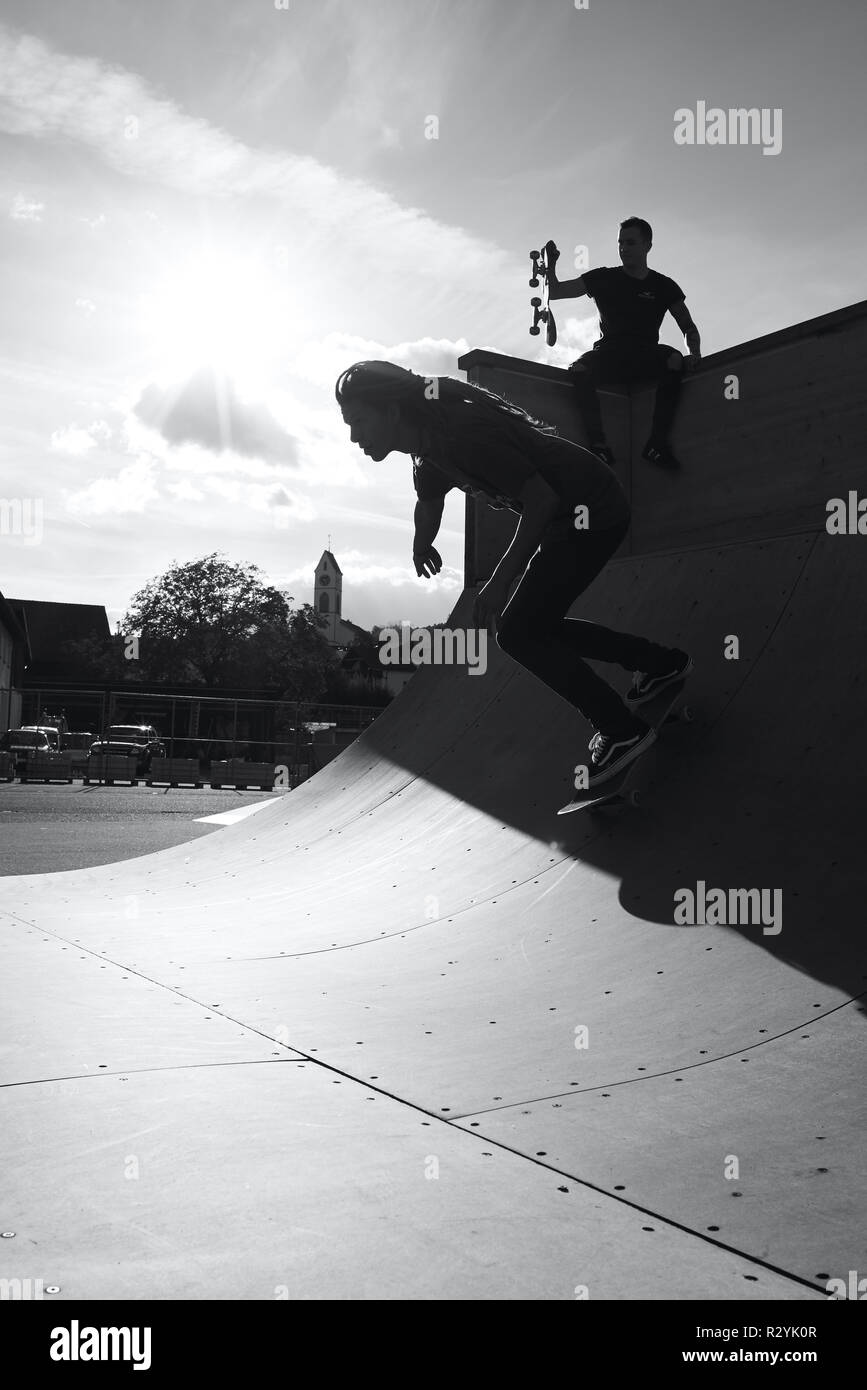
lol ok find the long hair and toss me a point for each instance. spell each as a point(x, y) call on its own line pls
point(442, 410)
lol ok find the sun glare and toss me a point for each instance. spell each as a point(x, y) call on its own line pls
point(223, 312)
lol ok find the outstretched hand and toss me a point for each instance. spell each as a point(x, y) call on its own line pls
point(427, 562)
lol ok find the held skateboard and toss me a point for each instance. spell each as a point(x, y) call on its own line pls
point(543, 262)
point(618, 790)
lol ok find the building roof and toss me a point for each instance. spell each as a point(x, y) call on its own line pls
point(326, 555)
point(11, 621)
point(47, 625)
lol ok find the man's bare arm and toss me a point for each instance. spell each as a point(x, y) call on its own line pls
point(561, 289)
point(428, 515)
point(683, 319)
point(565, 289)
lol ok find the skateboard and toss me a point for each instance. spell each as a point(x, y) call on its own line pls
point(543, 261)
point(664, 708)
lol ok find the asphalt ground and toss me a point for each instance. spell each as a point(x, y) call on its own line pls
point(47, 828)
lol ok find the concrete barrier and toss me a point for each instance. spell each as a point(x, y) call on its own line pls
point(112, 767)
point(175, 772)
point(237, 773)
point(47, 767)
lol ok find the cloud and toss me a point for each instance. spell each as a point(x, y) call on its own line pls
point(183, 491)
point(75, 440)
point(322, 362)
point(131, 491)
point(574, 336)
point(284, 507)
point(360, 569)
point(25, 210)
point(376, 593)
point(258, 497)
point(397, 576)
point(51, 94)
point(206, 409)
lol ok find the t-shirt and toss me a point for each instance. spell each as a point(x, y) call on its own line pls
point(631, 308)
point(497, 462)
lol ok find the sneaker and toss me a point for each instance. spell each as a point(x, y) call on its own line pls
point(644, 687)
point(660, 454)
point(603, 453)
point(609, 753)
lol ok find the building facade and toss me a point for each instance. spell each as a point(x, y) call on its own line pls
point(328, 602)
point(13, 659)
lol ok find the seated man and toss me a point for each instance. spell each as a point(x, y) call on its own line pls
point(632, 302)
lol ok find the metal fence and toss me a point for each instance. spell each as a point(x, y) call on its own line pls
point(300, 735)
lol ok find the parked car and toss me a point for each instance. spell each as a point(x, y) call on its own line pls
point(78, 745)
point(126, 739)
point(78, 741)
point(23, 744)
point(52, 733)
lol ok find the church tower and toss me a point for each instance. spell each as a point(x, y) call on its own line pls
point(328, 595)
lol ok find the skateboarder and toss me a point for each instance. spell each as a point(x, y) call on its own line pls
point(460, 435)
point(632, 302)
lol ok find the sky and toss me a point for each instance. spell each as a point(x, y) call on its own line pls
point(209, 208)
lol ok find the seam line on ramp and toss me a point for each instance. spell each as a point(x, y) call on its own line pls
point(656, 1075)
point(301, 1055)
point(298, 1060)
point(556, 1095)
point(302, 1058)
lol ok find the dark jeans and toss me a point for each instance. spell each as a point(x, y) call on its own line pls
point(536, 633)
point(624, 361)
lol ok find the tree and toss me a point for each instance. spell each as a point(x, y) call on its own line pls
point(214, 623)
point(291, 654)
point(97, 658)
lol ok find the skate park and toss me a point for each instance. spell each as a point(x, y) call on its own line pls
point(406, 1034)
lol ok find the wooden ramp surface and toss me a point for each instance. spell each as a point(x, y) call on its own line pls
point(406, 1034)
